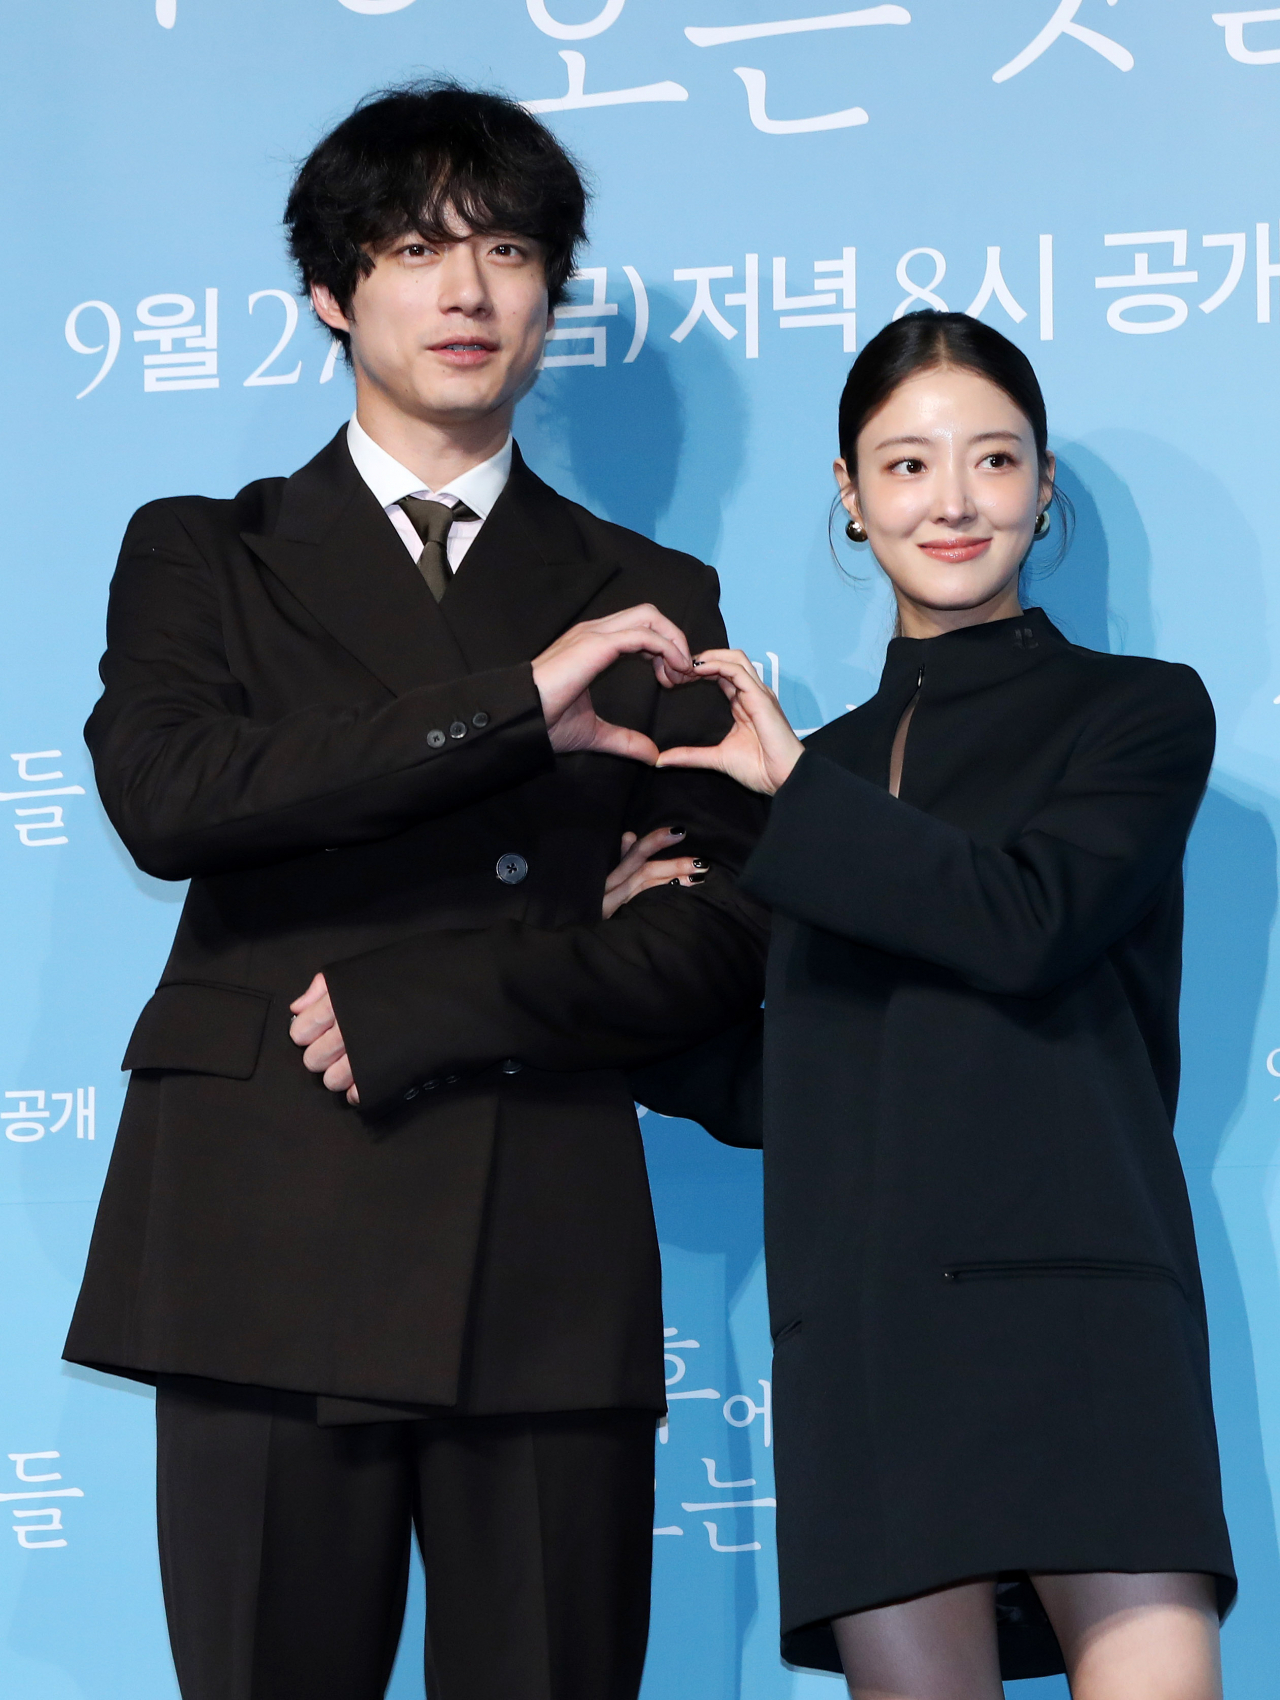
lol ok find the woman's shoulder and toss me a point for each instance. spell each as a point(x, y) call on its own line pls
point(1139, 679)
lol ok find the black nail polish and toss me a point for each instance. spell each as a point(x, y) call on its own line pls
point(697, 879)
point(699, 862)
point(676, 831)
point(673, 882)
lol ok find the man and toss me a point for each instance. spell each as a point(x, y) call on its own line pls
point(377, 1223)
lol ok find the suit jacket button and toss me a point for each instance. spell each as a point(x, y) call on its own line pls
point(435, 738)
point(511, 868)
point(458, 729)
point(430, 1085)
point(452, 1079)
point(512, 1066)
point(480, 720)
point(411, 1094)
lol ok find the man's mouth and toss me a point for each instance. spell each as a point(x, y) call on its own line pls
point(464, 351)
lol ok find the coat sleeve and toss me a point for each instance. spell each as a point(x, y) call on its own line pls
point(196, 784)
point(667, 970)
point(719, 1084)
point(1020, 917)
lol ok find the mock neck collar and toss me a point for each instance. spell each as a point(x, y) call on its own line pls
point(976, 654)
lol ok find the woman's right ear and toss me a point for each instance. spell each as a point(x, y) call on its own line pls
point(844, 484)
point(848, 494)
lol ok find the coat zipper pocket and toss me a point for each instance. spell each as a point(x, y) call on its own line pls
point(1090, 1268)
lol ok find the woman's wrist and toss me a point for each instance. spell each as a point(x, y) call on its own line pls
point(781, 769)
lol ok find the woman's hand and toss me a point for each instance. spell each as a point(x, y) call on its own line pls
point(762, 749)
point(636, 872)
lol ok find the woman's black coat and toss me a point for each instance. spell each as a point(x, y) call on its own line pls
point(990, 1337)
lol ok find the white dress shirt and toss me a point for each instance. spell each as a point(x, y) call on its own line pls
point(479, 488)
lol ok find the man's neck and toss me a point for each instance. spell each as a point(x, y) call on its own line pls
point(434, 452)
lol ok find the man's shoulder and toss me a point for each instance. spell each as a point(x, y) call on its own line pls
point(325, 479)
point(252, 509)
point(636, 553)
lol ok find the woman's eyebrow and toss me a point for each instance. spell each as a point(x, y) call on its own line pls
point(924, 442)
point(889, 442)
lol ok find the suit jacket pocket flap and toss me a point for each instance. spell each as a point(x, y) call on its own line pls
point(200, 1029)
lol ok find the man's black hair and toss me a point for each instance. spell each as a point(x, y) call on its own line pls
point(409, 157)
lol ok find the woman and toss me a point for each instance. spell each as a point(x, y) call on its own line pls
point(994, 1432)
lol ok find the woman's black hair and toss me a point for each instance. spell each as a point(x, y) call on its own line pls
point(922, 342)
point(406, 159)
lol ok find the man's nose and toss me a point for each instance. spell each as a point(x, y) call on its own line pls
point(463, 287)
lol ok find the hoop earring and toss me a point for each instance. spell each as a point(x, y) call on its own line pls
point(1043, 524)
point(855, 532)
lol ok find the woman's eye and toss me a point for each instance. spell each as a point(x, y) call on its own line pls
point(907, 466)
point(999, 459)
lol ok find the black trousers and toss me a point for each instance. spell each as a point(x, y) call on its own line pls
point(284, 1548)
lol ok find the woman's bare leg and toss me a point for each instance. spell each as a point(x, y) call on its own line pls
point(1144, 1637)
point(938, 1646)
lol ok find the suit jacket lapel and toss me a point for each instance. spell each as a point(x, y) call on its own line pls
point(526, 577)
point(339, 554)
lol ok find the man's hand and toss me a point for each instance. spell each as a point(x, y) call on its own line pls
point(563, 675)
point(315, 1027)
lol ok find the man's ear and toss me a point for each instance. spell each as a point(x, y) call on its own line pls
point(327, 309)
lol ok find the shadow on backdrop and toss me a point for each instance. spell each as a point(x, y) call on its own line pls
point(636, 446)
point(1101, 597)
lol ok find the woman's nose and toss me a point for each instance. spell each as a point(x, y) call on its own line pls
point(954, 500)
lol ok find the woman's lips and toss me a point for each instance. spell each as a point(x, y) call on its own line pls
point(962, 549)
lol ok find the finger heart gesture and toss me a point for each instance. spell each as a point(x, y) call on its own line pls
point(762, 748)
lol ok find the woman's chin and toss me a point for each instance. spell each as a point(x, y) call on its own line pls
point(954, 597)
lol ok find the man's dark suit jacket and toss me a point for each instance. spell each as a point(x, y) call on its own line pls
point(351, 775)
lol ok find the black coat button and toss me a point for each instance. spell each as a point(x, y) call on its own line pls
point(511, 868)
point(435, 738)
point(480, 720)
point(458, 729)
point(512, 1066)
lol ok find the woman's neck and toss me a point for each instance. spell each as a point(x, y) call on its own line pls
point(917, 620)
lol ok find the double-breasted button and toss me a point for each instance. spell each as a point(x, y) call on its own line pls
point(511, 868)
point(458, 729)
point(480, 720)
point(411, 1094)
point(436, 738)
point(512, 1066)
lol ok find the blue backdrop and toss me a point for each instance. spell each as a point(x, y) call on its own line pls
point(1096, 178)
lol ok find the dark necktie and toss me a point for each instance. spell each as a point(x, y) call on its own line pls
point(431, 521)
